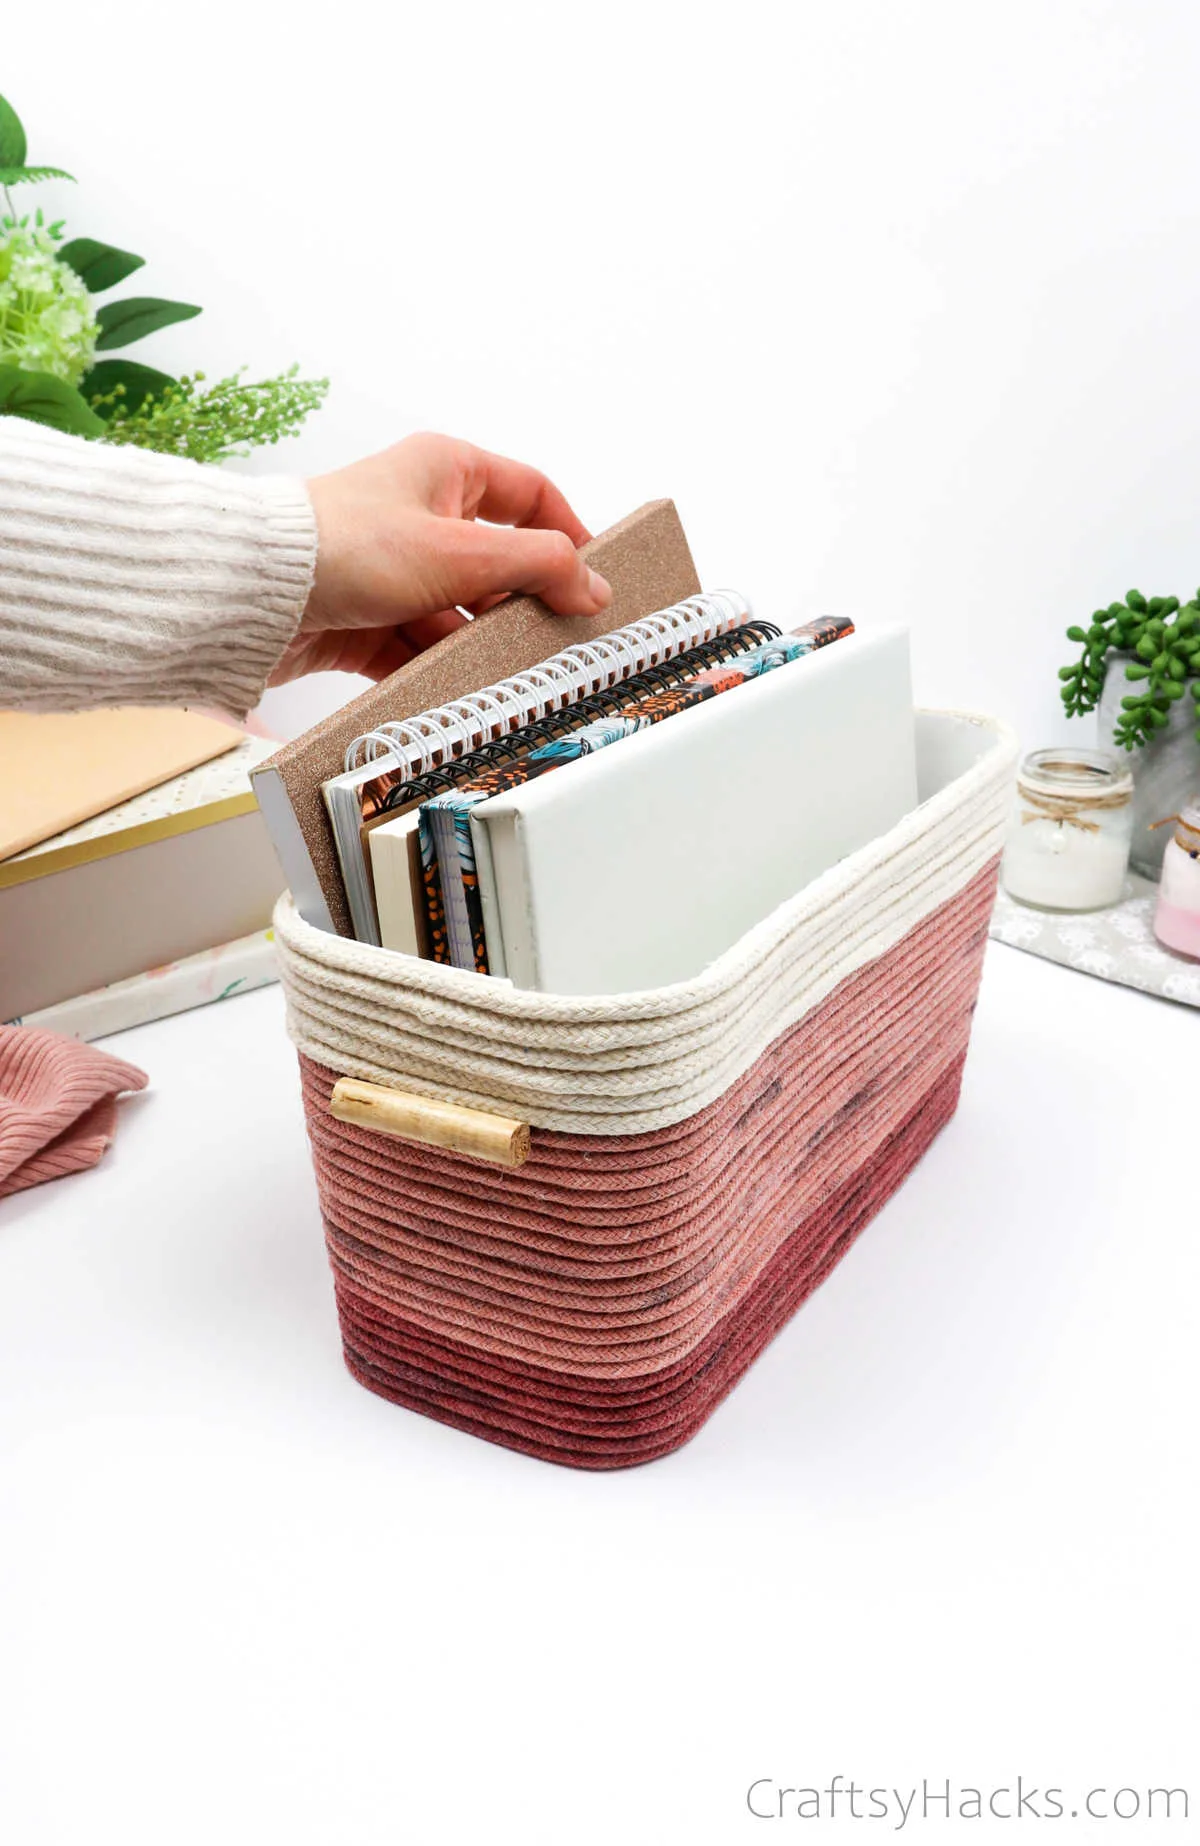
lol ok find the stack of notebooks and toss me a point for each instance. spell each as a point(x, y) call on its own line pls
point(136, 873)
point(612, 817)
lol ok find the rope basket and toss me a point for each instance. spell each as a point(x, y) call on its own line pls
point(569, 1224)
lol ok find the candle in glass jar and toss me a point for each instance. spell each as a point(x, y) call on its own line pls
point(1068, 845)
point(1177, 917)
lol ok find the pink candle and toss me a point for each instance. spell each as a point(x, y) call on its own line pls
point(1177, 918)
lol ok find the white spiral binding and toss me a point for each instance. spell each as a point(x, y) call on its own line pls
point(421, 744)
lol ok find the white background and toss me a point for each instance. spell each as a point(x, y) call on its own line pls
point(902, 305)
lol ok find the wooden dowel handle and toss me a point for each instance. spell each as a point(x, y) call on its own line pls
point(438, 1124)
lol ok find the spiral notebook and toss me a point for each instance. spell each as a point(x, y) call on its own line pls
point(458, 930)
point(384, 760)
point(405, 867)
point(407, 886)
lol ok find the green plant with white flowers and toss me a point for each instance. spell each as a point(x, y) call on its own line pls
point(47, 321)
point(54, 342)
point(1163, 636)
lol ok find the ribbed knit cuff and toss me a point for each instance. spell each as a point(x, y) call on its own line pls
point(132, 578)
point(285, 563)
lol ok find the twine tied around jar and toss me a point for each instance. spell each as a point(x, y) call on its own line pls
point(1067, 810)
point(1187, 833)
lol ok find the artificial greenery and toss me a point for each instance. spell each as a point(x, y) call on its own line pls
point(1163, 636)
point(228, 419)
point(47, 321)
point(13, 170)
point(52, 336)
point(46, 399)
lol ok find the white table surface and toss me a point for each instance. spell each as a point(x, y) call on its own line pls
point(945, 1528)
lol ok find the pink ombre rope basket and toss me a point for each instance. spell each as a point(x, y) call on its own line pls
point(665, 1176)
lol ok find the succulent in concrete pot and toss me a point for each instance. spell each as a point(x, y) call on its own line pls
point(1140, 670)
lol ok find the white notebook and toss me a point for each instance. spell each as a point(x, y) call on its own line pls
point(639, 865)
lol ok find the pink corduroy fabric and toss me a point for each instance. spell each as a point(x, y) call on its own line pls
point(58, 1105)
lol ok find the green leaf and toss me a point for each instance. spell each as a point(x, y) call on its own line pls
point(1134, 670)
point(43, 399)
point(98, 266)
point(1076, 633)
point(20, 176)
point(12, 136)
point(1135, 599)
point(140, 382)
point(122, 322)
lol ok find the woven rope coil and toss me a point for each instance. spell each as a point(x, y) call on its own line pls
point(628, 1064)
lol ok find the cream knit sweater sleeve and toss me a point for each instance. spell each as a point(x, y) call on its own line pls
point(137, 579)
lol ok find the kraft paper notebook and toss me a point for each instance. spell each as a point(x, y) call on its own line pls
point(57, 769)
point(647, 561)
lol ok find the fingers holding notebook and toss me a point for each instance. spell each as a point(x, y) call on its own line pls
point(491, 561)
point(508, 493)
point(400, 549)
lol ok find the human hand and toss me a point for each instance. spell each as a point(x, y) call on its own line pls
point(398, 546)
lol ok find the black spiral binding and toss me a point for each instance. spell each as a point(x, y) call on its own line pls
point(661, 678)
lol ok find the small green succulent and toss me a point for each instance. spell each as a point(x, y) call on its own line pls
point(1163, 635)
